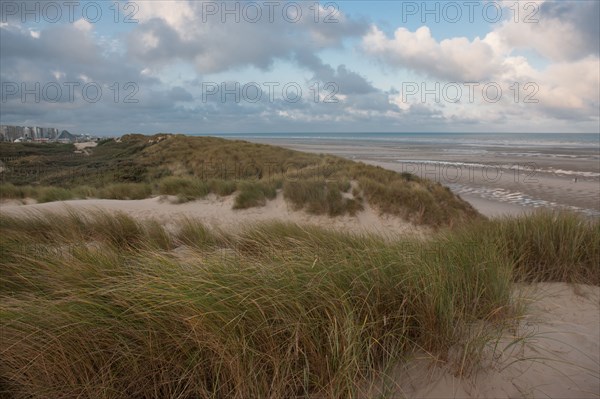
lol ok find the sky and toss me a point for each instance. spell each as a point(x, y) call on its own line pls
point(211, 67)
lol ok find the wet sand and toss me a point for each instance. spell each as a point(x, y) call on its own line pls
point(495, 180)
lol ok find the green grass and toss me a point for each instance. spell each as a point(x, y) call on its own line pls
point(85, 191)
point(319, 197)
point(51, 194)
point(103, 306)
point(191, 167)
point(10, 191)
point(222, 188)
point(126, 191)
point(193, 233)
point(544, 246)
point(185, 188)
point(255, 193)
point(40, 193)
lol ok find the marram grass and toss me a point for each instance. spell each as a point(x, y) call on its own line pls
point(189, 168)
point(103, 306)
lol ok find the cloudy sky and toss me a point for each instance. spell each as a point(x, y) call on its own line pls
point(111, 68)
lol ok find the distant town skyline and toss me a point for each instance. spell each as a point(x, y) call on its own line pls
point(206, 67)
point(13, 133)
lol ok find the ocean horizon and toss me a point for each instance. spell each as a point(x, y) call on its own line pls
point(466, 139)
point(505, 172)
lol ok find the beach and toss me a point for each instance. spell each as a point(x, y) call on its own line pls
point(499, 175)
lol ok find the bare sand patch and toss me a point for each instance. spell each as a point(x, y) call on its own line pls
point(87, 144)
point(553, 353)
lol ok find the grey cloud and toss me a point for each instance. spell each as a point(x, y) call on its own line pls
point(56, 42)
point(375, 101)
point(584, 16)
point(67, 50)
point(63, 55)
point(169, 47)
point(347, 81)
point(213, 46)
point(178, 93)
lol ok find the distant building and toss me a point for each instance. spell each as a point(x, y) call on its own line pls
point(28, 133)
point(38, 134)
point(66, 137)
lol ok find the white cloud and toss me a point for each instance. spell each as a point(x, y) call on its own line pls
point(454, 59)
point(177, 14)
point(83, 25)
point(573, 86)
point(569, 85)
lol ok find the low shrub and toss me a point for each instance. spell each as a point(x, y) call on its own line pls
point(187, 188)
point(126, 191)
point(51, 194)
point(255, 194)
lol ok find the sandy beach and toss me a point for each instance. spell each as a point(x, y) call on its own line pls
point(497, 180)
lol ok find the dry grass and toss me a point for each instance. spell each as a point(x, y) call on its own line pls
point(104, 306)
point(320, 197)
point(190, 167)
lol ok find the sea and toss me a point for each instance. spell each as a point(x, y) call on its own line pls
point(559, 171)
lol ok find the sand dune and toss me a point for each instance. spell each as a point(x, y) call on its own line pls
point(554, 353)
point(217, 212)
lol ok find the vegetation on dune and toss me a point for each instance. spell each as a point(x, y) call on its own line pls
point(138, 166)
point(103, 306)
point(185, 188)
point(544, 246)
point(319, 197)
point(253, 194)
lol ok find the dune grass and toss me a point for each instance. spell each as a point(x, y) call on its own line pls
point(320, 197)
point(126, 191)
point(255, 193)
point(544, 246)
point(137, 166)
point(185, 188)
point(40, 193)
point(103, 306)
point(221, 187)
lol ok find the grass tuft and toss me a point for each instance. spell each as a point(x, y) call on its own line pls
point(319, 197)
point(126, 191)
point(185, 188)
point(101, 305)
point(50, 194)
point(255, 194)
